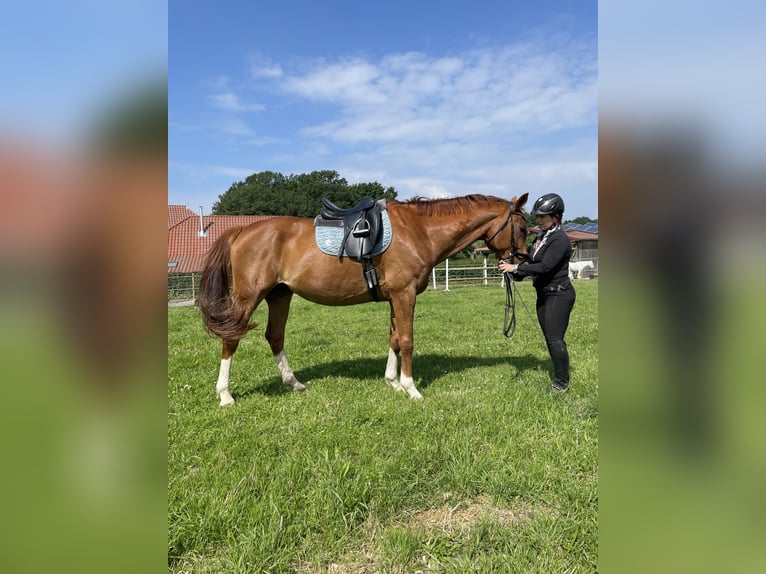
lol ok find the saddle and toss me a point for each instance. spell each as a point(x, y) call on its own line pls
point(362, 226)
point(363, 234)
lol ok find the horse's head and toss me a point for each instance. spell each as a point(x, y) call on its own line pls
point(510, 240)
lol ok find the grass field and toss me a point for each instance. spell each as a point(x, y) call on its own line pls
point(489, 473)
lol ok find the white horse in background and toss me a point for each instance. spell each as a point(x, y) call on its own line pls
point(578, 267)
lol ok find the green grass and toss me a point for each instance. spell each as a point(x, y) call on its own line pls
point(489, 473)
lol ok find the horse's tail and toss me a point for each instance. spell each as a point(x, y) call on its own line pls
point(224, 316)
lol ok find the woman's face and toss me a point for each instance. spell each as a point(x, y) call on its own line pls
point(544, 222)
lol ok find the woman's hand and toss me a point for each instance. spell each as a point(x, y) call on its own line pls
point(507, 267)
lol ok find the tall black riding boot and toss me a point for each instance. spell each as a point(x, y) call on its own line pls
point(560, 358)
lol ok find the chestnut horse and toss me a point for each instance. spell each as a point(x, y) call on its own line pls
point(274, 258)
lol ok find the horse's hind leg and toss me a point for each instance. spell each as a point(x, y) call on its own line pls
point(230, 344)
point(222, 386)
point(278, 301)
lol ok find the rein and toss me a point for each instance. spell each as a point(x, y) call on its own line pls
point(509, 321)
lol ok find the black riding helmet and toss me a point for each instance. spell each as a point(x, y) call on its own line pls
point(548, 204)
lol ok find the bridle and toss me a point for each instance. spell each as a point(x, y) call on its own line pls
point(513, 254)
point(509, 321)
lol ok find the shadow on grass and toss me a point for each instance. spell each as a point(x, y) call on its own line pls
point(427, 369)
point(530, 363)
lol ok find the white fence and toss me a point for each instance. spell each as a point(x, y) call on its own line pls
point(446, 276)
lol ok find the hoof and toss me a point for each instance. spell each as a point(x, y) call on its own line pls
point(226, 399)
point(395, 383)
point(295, 386)
point(409, 385)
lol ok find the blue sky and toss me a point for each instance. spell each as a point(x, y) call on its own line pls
point(435, 99)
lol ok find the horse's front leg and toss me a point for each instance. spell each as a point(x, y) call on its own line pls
point(392, 366)
point(278, 301)
point(403, 307)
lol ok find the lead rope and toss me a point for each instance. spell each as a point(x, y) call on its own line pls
point(509, 322)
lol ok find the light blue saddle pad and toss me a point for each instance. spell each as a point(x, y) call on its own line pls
point(329, 238)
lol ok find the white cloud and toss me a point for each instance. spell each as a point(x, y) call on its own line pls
point(202, 171)
point(229, 101)
point(348, 82)
point(186, 168)
point(459, 168)
point(499, 121)
point(413, 97)
point(263, 67)
point(267, 141)
point(233, 126)
point(219, 82)
point(228, 171)
point(423, 187)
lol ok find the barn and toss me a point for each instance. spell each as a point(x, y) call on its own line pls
point(584, 239)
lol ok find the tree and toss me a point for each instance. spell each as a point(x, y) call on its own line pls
point(271, 193)
point(581, 220)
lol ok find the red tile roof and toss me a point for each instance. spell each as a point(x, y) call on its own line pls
point(185, 248)
point(177, 213)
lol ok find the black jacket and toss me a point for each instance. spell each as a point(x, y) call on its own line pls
point(549, 259)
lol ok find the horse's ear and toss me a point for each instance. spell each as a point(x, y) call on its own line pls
point(521, 202)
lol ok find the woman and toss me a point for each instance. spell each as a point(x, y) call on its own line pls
point(549, 266)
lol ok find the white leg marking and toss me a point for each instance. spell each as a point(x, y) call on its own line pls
point(392, 367)
point(222, 386)
point(409, 385)
point(288, 378)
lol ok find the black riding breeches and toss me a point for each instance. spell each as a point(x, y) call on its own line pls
point(553, 310)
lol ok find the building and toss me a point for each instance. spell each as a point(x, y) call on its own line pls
point(190, 236)
point(584, 238)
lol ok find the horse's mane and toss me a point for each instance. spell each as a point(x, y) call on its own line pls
point(450, 205)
